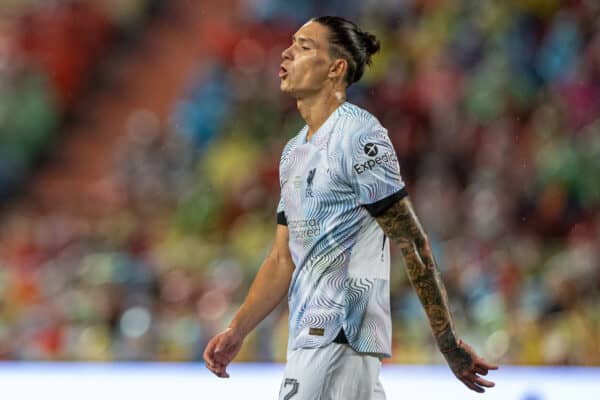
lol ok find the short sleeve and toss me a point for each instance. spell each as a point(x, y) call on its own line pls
point(283, 167)
point(281, 218)
point(373, 170)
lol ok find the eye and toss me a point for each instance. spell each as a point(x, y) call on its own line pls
point(305, 48)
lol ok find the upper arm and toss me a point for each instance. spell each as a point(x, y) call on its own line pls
point(401, 224)
point(370, 166)
point(281, 250)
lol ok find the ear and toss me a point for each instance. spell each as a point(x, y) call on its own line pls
point(338, 69)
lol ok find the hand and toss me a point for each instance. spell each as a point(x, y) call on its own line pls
point(466, 364)
point(220, 350)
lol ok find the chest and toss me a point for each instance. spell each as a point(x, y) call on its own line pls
point(312, 178)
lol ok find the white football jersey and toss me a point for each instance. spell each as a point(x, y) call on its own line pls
point(331, 188)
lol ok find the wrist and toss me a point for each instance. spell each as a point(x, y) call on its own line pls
point(448, 342)
point(236, 330)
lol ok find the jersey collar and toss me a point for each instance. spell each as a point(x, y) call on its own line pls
point(320, 137)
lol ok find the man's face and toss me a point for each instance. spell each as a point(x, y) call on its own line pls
point(306, 62)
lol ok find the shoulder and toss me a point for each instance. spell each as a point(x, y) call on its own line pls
point(292, 143)
point(356, 123)
point(354, 113)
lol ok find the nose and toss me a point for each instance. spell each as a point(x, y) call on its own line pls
point(287, 53)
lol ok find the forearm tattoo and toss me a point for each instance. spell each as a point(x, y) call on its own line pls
point(402, 226)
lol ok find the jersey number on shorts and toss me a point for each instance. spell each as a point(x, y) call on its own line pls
point(294, 383)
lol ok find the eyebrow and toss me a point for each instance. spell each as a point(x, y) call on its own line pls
point(303, 39)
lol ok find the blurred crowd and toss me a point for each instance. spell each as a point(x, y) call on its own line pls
point(494, 109)
point(49, 52)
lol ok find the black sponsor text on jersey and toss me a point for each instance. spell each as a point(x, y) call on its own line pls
point(373, 162)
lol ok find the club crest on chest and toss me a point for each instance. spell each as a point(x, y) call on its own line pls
point(309, 182)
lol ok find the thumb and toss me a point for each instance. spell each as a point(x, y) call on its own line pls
point(221, 346)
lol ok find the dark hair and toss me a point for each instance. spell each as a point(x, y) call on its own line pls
point(351, 43)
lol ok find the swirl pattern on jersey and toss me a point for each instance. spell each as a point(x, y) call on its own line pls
point(342, 269)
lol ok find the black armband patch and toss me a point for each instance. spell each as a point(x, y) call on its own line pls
point(381, 206)
point(281, 219)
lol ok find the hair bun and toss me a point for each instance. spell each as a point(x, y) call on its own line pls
point(351, 43)
point(371, 45)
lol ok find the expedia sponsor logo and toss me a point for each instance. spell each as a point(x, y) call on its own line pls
point(304, 228)
point(371, 149)
point(374, 162)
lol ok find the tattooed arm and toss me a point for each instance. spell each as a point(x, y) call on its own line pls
point(401, 225)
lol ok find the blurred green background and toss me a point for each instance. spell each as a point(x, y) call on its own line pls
point(139, 152)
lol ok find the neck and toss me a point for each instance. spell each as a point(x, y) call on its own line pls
point(315, 110)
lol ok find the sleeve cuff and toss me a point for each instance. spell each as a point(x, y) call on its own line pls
point(381, 206)
point(281, 219)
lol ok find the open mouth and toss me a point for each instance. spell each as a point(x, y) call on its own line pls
point(282, 72)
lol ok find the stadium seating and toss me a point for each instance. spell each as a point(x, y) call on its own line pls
point(492, 108)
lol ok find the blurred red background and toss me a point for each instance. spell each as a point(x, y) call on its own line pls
point(139, 151)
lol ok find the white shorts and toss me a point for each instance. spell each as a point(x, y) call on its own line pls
point(333, 372)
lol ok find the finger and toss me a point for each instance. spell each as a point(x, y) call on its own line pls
point(209, 351)
point(226, 353)
point(223, 374)
point(213, 367)
point(216, 360)
point(472, 386)
point(471, 377)
point(222, 355)
point(221, 348)
point(482, 363)
point(221, 360)
point(484, 382)
point(480, 370)
point(219, 370)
